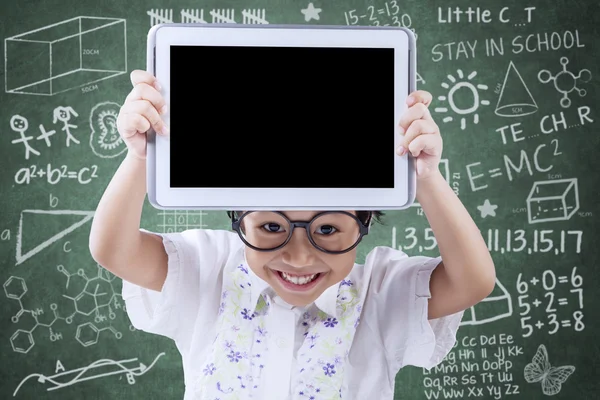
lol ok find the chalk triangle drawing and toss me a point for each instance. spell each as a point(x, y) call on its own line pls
point(56, 224)
point(521, 101)
point(496, 306)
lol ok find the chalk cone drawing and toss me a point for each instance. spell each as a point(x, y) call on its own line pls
point(552, 200)
point(92, 371)
point(496, 306)
point(63, 223)
point(515, 99)
point(540, 370)
point(65, 55)
point(468, 92)
point(565, 81)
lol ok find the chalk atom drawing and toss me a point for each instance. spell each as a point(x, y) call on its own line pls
point(565, 81)
point(68, 54)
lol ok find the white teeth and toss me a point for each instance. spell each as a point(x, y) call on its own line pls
point(298, 280)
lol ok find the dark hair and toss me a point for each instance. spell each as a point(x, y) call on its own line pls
point(362, 215)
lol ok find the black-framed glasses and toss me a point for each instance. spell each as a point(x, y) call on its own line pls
point(332, 232)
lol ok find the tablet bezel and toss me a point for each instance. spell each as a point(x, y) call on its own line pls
point(162, 196)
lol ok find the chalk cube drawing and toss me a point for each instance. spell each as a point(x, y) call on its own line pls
point(552, 200)
point(65, 55)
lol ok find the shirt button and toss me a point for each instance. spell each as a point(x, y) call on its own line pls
point(281, 342)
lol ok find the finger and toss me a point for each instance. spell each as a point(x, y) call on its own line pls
point(416, 112)
point(143, 91)
point(426, 143)
point(417, 128)
point(419, 96)
point(138, 76)
point(130, 124)
point(145, 109)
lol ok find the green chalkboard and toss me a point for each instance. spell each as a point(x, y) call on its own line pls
point(515, 89)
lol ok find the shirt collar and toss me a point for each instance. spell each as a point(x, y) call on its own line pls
point(326, 302)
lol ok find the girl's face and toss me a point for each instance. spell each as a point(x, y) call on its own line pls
point(291, 270)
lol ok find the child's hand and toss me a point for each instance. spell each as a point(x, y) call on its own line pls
point(142, 109)
point(421, 134)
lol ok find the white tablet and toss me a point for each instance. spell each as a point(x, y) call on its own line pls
point(281, 117)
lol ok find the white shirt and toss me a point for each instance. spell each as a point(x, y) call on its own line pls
point(393, 331)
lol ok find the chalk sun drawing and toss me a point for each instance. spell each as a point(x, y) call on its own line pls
point(470, 96)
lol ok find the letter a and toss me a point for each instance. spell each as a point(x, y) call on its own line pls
point(59, 367)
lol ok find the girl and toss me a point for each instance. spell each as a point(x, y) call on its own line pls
point(278, 309)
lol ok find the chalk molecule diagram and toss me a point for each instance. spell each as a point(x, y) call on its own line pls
point(566, 81)
point(97, 297)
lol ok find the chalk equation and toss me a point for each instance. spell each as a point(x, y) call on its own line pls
point(387, 15)
point(54, 175)
point(558, 307)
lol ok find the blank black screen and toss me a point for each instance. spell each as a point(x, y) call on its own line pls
point(282, 117)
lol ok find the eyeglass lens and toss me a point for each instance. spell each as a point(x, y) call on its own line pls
point(331, 231)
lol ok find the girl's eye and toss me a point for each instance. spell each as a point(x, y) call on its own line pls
point(272, 227)
point(326, 230)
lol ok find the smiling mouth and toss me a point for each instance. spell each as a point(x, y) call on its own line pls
point(298, 282)
point(298, 279)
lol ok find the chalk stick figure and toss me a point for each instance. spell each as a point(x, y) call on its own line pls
point(63, 114)
point(20, 124)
